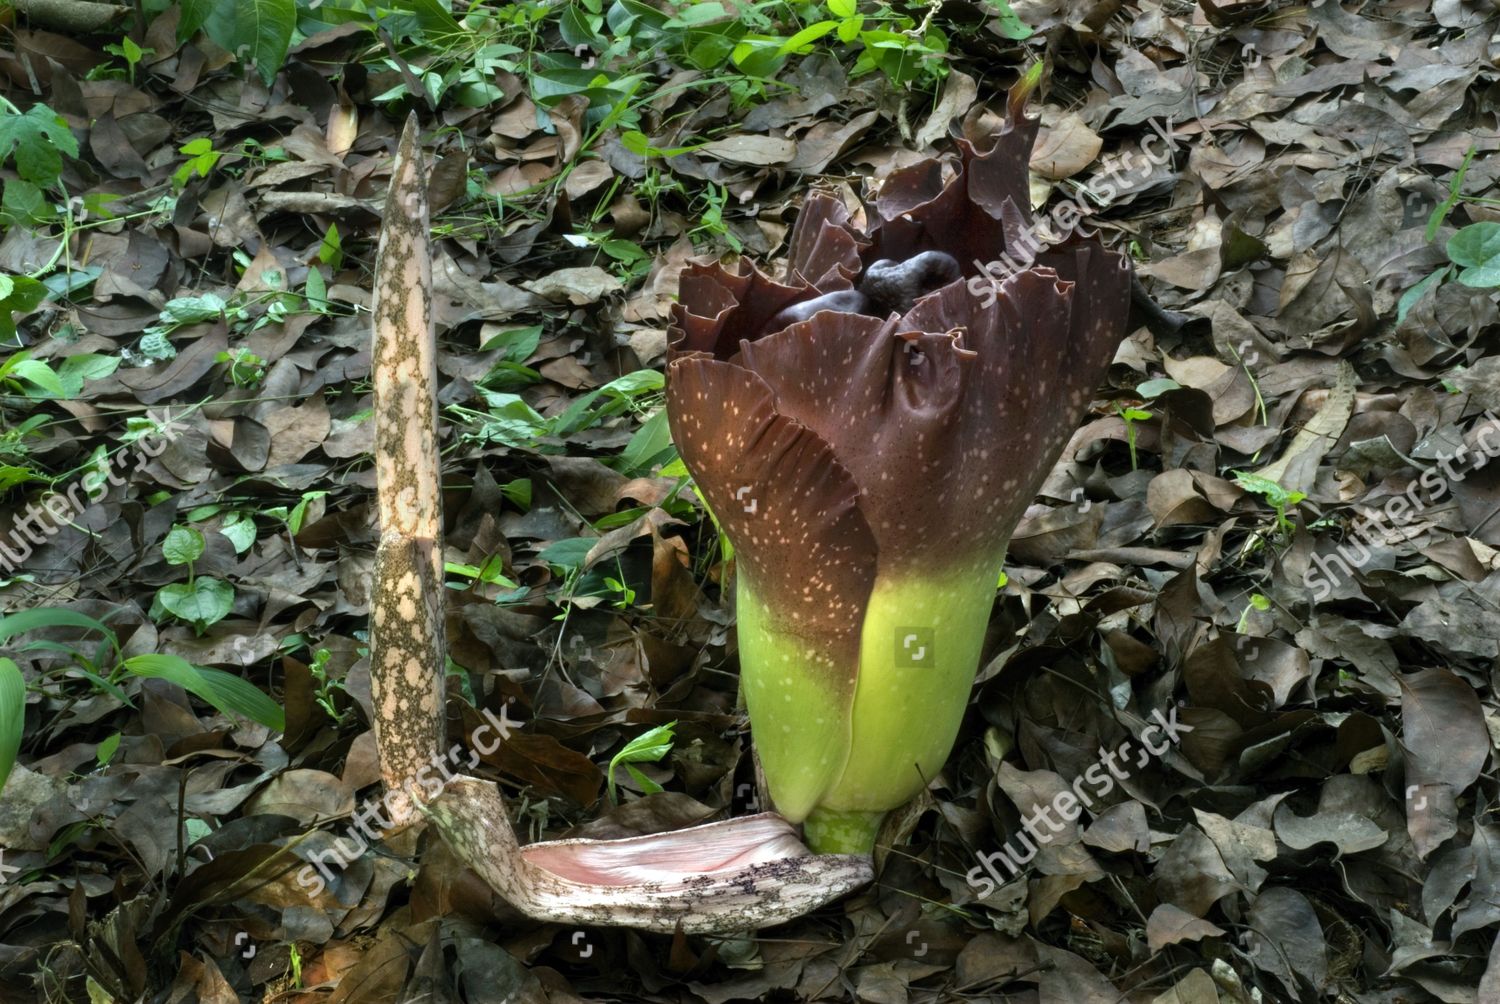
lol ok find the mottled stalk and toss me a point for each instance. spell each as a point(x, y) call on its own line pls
point(406, 611)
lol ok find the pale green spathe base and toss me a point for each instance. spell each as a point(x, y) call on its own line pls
point(829, 831)
point(848, 755)
point(798, 720)
point(909, 702)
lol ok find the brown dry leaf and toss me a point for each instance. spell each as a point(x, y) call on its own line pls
point(1168, 925)
point(1065, 148)
point(759, 151)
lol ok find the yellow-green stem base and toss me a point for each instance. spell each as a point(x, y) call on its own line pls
point(831, 831)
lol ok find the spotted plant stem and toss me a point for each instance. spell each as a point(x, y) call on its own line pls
point(406, 611)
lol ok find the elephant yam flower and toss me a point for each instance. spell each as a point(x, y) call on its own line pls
point(868, 431)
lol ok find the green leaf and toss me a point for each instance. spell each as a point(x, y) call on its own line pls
point(224, 691)
point(650, 441)
point(648, 747)
point(12, 715)
point(331, 251)
point(1410, 298)
point(253, 30)
point(519, 492)
point(1477, 248)
point(24, 203)
point(105, 751)
point(183, 546)
point(1009, 25)
point(568, 553)
point(37, 618)
point(697, 14)
point(647, 785)
point(202, 602)
point(842, 8)
point(516, 344)
point(37, 140)
point(1441, 211)
point(437, 23)
point(240, 529)
point(39, 374)
point(192, 309)
point(74, 370)
point(807, 36)
point(1156, 388)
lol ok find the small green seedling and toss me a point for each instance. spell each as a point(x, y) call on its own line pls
point(1132, 416)
point(1257, 602)
point(1275, 496)
point(201, 601)
point(649, 747)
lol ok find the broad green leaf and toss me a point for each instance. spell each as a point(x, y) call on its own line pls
point(183, 546)
point(1009, 25)
point(568, 553)
point(807, 36)
point(1157, 387)
point(253, 30)
point(437, 23)
point(225, 691)
point(698, 13)
point(1477, 248)
point(648, 747)
point(12, 715)
point(650, 441)
point(240, 529)
point(74, 370)
point(516, 344)
point(192, 309)
point(202, 602)
point(37, 140)
point(39, 374)
point(842, 8)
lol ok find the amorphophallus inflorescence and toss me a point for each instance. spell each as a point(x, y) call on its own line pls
point(868, 431)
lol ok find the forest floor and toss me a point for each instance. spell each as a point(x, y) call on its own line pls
point(1277, 512)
